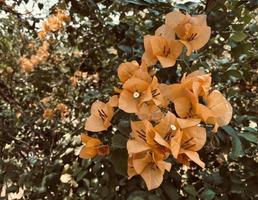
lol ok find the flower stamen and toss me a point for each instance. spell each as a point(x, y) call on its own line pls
point(136, 95)
point(173, 127)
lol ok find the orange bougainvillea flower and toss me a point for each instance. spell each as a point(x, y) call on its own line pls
point(133, 95)
point(45, 100)
point(154, 92)
point(48, 113)
point(113, 101)
point(143, 137)
point(185, 95)
point(127, 70)
point(162, 49)
point(101, 115)
point(63, 109)
point(74, 81)
point(133, 69)
point(150, 168)
point(217, 110)
point(154, 99)
point(192, 139)
point(143, 140)
point(146, 157)
point(92, 147)
point(171, 130)
point(26, 64)
point(214, 109)
point(62, 15)
point(42, 54)
point(41, 35)
point(139, 93)
point(52, 24)
point(149, 111)
point(192, 31)
point(198, 82)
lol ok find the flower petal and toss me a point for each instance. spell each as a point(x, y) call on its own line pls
point(164, 126)
point(153, 177)
point(113, 101)
point(159, 139)
point(194, 156)
point(134, 146)
point(221, 107)
point(126, 70)
point(182, 106)
point(196, 137)
point(127, 102)
point(202, 37)
point(148, 57)
point(185, 123)
point(174, 18)
point(175, 143)
point(94, 124)
point(135, 84)
point(88, 152)
point(165, 32)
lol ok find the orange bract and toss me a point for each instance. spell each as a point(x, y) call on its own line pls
point(127, 70)
point(150, 169)
point(160, 49)
point(217, 110)
point(48, 113)
point(101, 115)
point(26, 64)
point(92, 147)
point(63, 109)
point(192, 31)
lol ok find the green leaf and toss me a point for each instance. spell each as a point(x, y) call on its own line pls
point(170, 191)
point(138, 195)
point(238, 36)
point(12, 188)
point(136, 2)
point(238, 27)
point(81, 175)
point(232, 73)
point(208, 194)
point(119, 141)
point(190, 190)
point(182, 6)
point(119, 160)
point(249, 137)
point(124, 127)
point(237, 149)
point(153, 197)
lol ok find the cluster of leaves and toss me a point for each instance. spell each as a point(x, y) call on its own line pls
point(39, 158)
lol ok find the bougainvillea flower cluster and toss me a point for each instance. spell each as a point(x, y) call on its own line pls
point(54, 23)
point(42, 54)
point(171, 117)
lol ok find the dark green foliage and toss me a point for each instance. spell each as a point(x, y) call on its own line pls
point(35, 153)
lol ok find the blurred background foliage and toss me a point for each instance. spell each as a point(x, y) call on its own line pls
point(39, 157)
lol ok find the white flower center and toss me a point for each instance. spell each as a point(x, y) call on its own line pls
point(173, 127)
point(136, 95)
